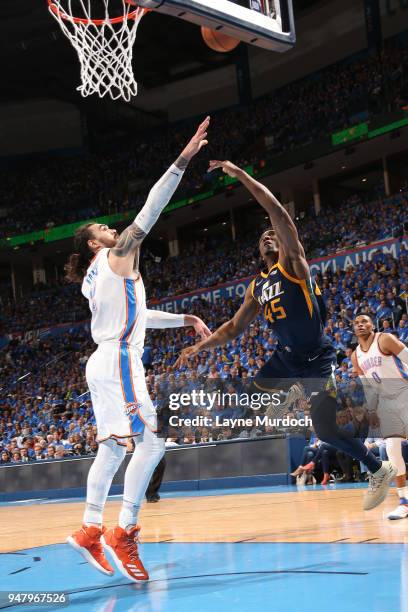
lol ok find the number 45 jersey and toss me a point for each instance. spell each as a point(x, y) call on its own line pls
point(294, 309)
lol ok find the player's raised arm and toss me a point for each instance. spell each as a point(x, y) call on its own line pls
point(123, 258)
point(157, 319)
point(290, 247)
point(227, 332)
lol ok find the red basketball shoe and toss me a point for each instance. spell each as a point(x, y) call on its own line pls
point(87, 541)
point(123, 546)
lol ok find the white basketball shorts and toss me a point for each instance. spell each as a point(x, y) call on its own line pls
point(393, 415)
point(120, 400)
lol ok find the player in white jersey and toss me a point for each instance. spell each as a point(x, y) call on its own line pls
point(381, 360)
point(108, 267)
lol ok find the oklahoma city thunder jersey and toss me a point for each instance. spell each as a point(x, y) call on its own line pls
point(387, 374)
point(291, 307)
point(117, 304)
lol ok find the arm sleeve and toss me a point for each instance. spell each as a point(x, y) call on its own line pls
point(157, 319)
point(158, 198)
point(403, 355)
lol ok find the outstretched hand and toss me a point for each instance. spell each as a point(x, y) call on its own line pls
point(198, 141)
point(185, 355)
point(226, 166)
point(201, 329)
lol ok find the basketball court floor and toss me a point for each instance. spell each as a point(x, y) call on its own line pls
point(244, 549)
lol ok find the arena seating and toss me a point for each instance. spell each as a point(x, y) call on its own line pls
point(354, 90)
point(46, 411)
point(52, 305)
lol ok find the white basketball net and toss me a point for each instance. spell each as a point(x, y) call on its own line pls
point(104, 48)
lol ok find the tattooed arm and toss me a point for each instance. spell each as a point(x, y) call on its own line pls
point(124, 256)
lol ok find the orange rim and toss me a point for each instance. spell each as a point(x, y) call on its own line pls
point(139, 12)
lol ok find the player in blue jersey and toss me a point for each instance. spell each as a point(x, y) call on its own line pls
point(291, 303)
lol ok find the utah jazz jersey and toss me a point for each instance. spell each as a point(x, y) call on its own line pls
point(294, 309)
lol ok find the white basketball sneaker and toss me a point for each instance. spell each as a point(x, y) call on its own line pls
point(378, 485)
point(400, 511)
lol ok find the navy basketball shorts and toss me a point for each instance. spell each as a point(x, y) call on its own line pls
point(315, 371)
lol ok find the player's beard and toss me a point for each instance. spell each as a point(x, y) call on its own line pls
point(271, 254)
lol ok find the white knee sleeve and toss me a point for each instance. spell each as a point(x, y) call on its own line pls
point(107, 462)
point(146, 456)
point(394, 452)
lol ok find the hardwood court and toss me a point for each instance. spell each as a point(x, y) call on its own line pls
point(299, 516)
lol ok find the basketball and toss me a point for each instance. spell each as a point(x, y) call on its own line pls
point(218, 41)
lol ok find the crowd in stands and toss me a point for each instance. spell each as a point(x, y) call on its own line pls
point(45, 409)
point(46, 192)
point(46, 412)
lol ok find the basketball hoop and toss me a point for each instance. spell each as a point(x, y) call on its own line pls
point(103, 41)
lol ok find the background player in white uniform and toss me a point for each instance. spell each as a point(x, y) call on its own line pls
point(108, 267)
point(381, 361)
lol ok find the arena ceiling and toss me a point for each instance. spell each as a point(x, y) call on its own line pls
point(38, 61)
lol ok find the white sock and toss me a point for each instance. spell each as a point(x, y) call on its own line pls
point(107, 461)
point(403, 492)
point(128, 515)
point(93, 515)
point(147, 454)
point(394, 452)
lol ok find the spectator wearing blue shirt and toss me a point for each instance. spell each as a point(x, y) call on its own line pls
point(202, 368)
point(403, 331)
point(383, 311)
point(333, 326)
point(219, 364)
point(347, 358)
point(194, 382)
point(226, 356)
point(338, 343)
point(260, 362)
point(387, 328)
point(234, 347)
point(225, 373)
point(345, 334)
point(372, 300)
point(246, 357)
point(355, 392)
point(344, 371)
point(348, 314)
point(335, 296)
point(357, 307)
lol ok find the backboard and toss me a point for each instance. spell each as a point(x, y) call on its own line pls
point(265, 23)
